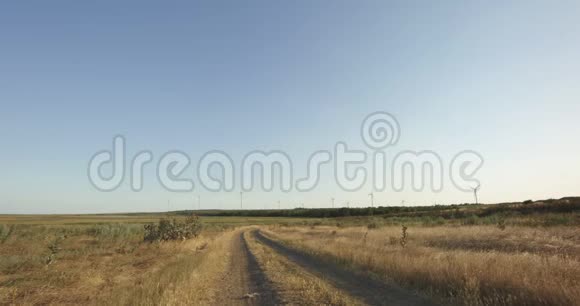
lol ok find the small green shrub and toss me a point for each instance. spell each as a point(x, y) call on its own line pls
point(173, 229)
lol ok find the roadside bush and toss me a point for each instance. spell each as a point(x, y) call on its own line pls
point(173, 229)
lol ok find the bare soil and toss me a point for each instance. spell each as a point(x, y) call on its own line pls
point(245, 283)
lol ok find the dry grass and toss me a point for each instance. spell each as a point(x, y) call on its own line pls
point(64, 259)
point(472, 265)
point(109, 264)
point(103, 263)
point(296, 286)
point(192, 278)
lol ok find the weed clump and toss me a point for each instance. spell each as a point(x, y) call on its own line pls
point(5, 232)
point(364, 240)
point(404, 236)
point(173, 229)
point(501, 224)
point(54, 247)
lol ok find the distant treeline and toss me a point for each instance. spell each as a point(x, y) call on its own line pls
point(569, 204)
point(317, 212)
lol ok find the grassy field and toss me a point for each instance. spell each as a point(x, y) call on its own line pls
point(473, 265)
point(495, 259)
point(48, 259)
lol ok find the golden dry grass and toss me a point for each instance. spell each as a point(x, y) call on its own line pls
point(472, 265)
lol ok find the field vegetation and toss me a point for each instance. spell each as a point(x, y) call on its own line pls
point(472, 265)
point(528, 208)
point(524, 253)
point(88, 263)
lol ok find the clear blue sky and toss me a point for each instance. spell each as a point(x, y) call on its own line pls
point(500, 77)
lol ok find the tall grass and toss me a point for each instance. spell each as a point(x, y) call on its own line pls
point(448, 262)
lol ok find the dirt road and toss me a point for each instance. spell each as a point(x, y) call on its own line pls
point(368, 290)
point(247, 283)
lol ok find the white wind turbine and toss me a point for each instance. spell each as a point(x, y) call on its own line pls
point(475, 192)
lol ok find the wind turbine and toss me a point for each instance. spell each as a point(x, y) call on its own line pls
point(372, 199)
point(332, 199)
point(475, 192)
point(241, 203)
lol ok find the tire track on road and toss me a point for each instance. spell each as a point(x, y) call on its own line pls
point(244, 282)
point(371, 291)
